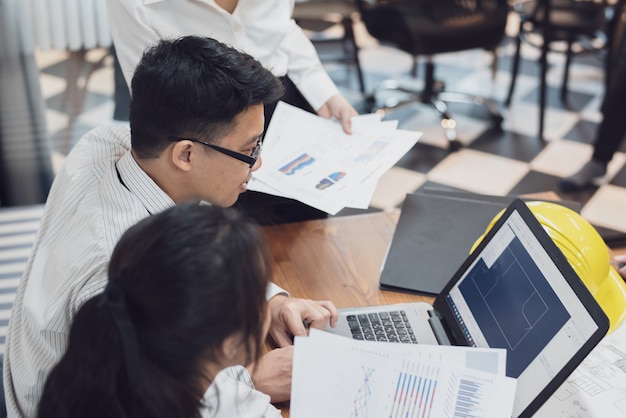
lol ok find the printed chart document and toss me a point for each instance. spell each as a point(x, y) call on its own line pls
point(311, 159)
point(597, 388)
point(335, 376)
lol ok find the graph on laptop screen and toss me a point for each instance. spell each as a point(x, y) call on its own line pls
point(514, 296)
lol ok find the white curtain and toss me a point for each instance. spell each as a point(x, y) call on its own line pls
point(62, 24)
point(25, 165)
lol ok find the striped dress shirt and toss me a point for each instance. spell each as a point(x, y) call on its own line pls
point(99, 193)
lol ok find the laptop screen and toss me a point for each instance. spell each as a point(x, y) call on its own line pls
point(512, 293)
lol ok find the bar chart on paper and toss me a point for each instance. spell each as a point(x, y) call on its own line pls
point(358, 379)
point(415, 392)
point(426, 390)
point(465, 398)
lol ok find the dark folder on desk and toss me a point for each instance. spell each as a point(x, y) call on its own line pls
point(434, 235)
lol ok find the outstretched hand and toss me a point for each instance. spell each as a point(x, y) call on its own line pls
point(291, 317)
point(339, 108)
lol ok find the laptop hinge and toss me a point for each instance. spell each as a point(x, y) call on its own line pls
point(437, 327)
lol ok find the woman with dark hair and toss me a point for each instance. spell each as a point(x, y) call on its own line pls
point(185, 299)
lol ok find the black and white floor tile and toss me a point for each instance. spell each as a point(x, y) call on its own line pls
point(512, 160)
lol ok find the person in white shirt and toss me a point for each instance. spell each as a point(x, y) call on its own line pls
point(184, 300)
point(264, 29)
point(196, 121)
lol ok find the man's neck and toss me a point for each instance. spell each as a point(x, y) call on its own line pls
point(157, 170)
point(228, 5)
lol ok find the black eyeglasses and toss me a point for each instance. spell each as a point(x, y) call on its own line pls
point(248, 159)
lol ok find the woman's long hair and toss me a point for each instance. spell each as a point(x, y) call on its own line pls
point(180, 283)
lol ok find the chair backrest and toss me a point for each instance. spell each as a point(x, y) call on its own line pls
point(424, 27)
point(564, 17)
point(384, 23)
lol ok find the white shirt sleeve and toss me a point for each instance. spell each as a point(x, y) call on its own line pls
point(305, 69)
point(227, 398)
point(124, 17)
point(264, 29)
point(273, 290)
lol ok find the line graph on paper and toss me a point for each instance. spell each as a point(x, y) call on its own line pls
point(377, 385)
point(363, 394)
point(407, 392)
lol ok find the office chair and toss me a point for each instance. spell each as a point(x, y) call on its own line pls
point(580, 22)
point(319, 16)
point(429, 27)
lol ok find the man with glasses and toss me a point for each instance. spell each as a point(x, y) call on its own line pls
point(196, 123)
point(264, 29)
point(248, 159)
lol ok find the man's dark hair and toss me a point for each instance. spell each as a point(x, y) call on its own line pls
point(193, 87)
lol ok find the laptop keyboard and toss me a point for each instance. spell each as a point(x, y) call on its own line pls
point(390, 326)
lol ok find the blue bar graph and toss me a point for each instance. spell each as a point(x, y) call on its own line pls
point(414, 394)
point(468, 400)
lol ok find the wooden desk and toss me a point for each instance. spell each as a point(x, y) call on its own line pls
point(337, 259)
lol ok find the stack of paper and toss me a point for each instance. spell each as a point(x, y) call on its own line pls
point(311, 159)
point(335, 376)
point(597, 388)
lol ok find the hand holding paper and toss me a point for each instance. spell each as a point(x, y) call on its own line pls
point(313, 160)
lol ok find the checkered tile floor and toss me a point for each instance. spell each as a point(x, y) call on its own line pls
point(510, 161)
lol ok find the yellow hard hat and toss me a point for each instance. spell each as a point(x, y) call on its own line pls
point(586, 252)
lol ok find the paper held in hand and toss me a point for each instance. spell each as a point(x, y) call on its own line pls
point(311, 159)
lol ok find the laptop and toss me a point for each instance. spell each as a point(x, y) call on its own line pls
point(515, 291)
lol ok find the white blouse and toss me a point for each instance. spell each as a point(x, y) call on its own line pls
point(228, 398)
point(262, 28)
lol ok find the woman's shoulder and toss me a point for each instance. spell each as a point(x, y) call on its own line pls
point(227, 398)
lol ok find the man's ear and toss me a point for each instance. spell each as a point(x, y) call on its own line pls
point(181, 155)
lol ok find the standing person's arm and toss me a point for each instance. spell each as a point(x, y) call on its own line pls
point(307, 73)
point(131, 34)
